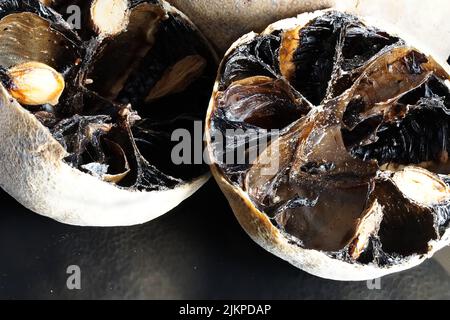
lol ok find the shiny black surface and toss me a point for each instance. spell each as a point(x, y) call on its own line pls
point(197, 251)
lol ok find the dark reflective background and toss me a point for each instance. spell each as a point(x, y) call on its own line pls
point(197, 251)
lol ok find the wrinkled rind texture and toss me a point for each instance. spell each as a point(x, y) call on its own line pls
point(34, 173)
point(224, 21)
point(259, 227)
point(426, 22)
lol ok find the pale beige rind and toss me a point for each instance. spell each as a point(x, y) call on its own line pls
point(262, 231)
point(424, 22)
point(224, 21)
point(32, 171)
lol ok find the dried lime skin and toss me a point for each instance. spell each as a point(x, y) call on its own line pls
point(120, 85)
point(364, 121)
point(89, 111)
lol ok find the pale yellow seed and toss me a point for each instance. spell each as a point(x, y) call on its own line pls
point(35, 83)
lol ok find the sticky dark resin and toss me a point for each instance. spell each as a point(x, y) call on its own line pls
point(422, 133)
point(329, 46)
point(257, 58)
point(354, 105)
point(104, 119)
